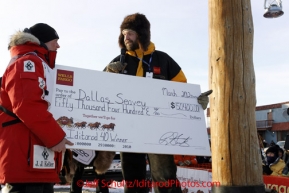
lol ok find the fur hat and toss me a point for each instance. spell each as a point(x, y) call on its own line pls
point(138, 23)
point(273, 149)
point(43, 32)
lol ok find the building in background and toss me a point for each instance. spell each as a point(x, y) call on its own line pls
point(272, 122)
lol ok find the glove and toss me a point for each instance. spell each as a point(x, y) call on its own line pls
point(181, 163)
point(115, 67)
point(188, 162)
point(267, 170)
point(203, 99)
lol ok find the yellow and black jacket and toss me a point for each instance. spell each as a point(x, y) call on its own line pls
point(159, 63)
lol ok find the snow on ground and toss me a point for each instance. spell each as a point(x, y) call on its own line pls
point(116, 187)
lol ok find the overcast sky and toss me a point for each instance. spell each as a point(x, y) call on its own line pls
point(89, 31)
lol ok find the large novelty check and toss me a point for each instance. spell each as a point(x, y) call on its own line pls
point(115, 112)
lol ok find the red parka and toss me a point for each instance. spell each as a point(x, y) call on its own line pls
point(24, 147)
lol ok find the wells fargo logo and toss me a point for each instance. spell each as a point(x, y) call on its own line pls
point(64, 77)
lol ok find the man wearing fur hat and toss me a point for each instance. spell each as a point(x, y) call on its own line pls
point(142, 59)
point(31, 141)
point(274, 164)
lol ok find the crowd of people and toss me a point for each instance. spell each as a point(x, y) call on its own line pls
point(275, 162)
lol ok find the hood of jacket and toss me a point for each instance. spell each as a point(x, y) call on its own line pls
point(20, 38)
point(21, 43)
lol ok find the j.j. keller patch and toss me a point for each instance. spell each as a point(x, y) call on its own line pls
point(29, 66)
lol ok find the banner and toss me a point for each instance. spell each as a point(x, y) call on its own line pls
point(204, 184)
point(279, 183)
point(193, 180)
point(115, 112)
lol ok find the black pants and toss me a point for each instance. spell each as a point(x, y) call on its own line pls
point(77, 182)
point(163, 173)
point(29, 187)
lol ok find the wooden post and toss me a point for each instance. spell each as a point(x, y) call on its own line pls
point(236, 160)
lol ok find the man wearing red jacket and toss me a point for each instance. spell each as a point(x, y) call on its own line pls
point(31, 141)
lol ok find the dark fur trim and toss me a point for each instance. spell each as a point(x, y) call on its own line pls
point(102, 161)
point(139, 23)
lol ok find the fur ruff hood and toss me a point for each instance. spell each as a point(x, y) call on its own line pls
point(20, 38)
point(23, 42)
